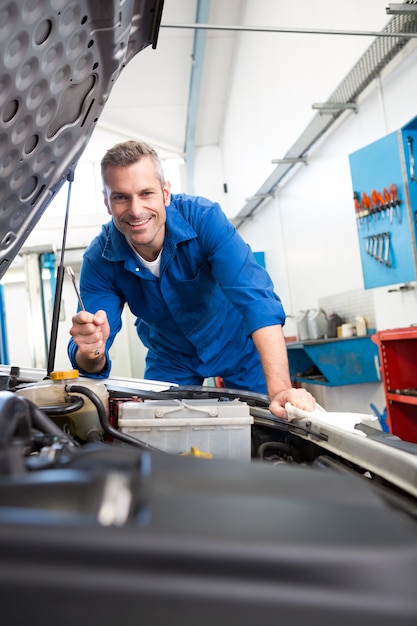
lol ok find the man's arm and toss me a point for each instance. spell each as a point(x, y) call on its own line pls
point(270, 343)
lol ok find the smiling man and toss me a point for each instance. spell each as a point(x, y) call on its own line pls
point(136, 198)
point(204, 307)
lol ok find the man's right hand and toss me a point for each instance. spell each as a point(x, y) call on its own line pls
point(90, 332)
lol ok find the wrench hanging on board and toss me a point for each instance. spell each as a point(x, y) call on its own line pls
point(387, 247)
point(411, 157)
point(394, 200)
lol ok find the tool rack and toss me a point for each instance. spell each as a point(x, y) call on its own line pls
point(384, 181)
point(397, 353)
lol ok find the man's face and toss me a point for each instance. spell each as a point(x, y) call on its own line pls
point(136, 200)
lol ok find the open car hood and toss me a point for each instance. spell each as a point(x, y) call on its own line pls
point(58, 65)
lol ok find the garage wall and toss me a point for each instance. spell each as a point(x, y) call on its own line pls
point(308, 231)
point(312, 220)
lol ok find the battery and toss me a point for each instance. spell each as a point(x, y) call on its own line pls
point(212, 427)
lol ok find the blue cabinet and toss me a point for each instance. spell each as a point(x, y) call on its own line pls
point(387, 227)
point(334, 362)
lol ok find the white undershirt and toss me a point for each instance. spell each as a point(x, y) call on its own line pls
point(153, 266)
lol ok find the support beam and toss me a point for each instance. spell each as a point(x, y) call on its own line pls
point(203, 10)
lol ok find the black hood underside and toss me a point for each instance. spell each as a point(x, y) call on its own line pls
point(58, 65)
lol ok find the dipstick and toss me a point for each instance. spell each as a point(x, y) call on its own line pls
point(71, 273)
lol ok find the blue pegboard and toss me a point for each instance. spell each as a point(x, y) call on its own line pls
point(387, 236)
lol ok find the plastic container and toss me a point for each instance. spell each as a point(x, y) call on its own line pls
point(317, 324)
point(361, 326)
point(302, 328)
point(220, 429)
point(348, 330)
point(83, 423)
point(333, 322)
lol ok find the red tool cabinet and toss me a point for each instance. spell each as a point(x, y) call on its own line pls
point(398, 357)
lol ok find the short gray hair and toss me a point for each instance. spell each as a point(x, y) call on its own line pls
point(128, 153)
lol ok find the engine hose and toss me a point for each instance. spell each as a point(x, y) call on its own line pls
point(284, 448)
point(14, 420)
point(72, 404)
point(19, 415)
point(105, 424)
point(43, 423)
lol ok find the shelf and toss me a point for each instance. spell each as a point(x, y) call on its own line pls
point(404, 398)
point(397, 349)
point(334, 362)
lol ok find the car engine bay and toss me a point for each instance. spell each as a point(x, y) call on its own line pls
point(291, 526)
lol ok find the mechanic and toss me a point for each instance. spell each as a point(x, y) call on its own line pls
point(204, 306)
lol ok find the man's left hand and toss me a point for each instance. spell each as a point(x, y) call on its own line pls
point(300, 398)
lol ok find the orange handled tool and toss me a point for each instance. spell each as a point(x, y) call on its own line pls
point(366, 205)
point(377, 201)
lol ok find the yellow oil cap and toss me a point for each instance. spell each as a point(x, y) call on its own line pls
point(197, 452)
point(64, 375)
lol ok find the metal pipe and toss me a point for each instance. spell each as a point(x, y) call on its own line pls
point(300, 31)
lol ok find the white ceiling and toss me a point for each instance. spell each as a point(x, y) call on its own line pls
point(150, 98)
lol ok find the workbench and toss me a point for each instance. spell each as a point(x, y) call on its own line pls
point(334, 362)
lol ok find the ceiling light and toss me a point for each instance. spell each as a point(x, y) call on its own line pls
point(334, 106)
point(401, 9)
point(289, 161)
point(260, 196)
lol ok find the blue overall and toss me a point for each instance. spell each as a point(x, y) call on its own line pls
point(196, 319)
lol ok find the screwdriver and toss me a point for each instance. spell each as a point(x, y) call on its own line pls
point(71, 273)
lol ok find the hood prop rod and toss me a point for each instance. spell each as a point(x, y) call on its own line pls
point(59, 284)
